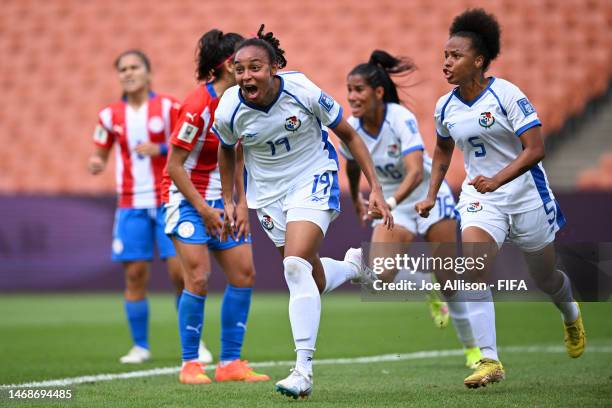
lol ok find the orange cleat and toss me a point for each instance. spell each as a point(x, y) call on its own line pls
point(193, 373)
point(238, 370)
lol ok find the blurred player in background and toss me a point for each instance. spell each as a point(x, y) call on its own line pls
point(192, 191)
point(292, 168)
point(139, 125)
point(391, 134)
point(505, 193)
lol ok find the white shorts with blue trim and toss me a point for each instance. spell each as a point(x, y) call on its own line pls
point(406, 216)
point(136, 232)
point(531, 230)
point(185, 224)
point(316, 200)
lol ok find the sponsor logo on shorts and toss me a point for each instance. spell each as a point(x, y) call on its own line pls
point(117, 246)
point(393, 150)
point(267, 222)
point(186, 229)
point(474, 207)
point(486, 119)
point(292, 123)
point(156, 124)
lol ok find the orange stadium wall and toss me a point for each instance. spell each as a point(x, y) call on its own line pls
point(57, 66)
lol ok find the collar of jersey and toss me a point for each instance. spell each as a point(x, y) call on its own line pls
point(265, 109)
point(151, 96)
point(211, 89)
point(484, 91)
point(379, 129)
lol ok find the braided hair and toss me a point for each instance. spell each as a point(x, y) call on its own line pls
point(270, 44)
point(482, 29)
point(213, 49)
point(378, 70)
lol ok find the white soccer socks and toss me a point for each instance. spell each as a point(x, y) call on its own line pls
point(564, 300)
point(460, 315)
point(304, 307)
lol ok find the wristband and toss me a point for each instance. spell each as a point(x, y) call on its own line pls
point(163, 149)
point(392, 202)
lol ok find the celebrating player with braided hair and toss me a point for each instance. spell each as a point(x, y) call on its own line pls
point(281, 121)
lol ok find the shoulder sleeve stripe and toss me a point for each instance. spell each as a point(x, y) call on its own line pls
point(444, 107)
point(528, 126)
point(298, 101)
point(412, 149)
point(337, 120)
point(498, 101)
point(220, 139)
point(234, 116)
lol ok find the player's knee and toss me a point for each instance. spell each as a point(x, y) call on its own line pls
point(197, 284)
point(244, 277)
point(136, 274)
point(297, 270)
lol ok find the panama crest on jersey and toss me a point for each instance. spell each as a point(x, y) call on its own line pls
point(267, 222)
point(292, 123)
point(393, 150)
point(486, 119)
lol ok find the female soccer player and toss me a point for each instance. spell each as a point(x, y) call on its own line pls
point(505, 193)
point(193, 195)
point(391, 134)
point(280, 119)
point(139, 124)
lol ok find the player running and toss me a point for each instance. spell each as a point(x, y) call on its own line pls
point(391, 134)
point(192, 191)
point(505, 194)
point(139, 125)
point(292, 181)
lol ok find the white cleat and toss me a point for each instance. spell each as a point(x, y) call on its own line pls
point(204, 355)
point(136, 355)
point(296, 385)
point(366, 277)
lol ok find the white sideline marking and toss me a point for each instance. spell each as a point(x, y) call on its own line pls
point(356, 360)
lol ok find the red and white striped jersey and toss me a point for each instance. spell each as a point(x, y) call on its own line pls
point(139, 177)
point(192, 133)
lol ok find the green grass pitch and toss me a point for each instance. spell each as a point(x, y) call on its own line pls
point(47, 337)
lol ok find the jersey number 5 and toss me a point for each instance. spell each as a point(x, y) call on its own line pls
point(476, 143)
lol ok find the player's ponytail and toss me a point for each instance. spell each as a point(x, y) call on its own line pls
point(268, 42)
point(482, 29)
point(378, 70)
point(214, 48)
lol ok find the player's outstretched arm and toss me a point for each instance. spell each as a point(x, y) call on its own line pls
point(443, 155)
point(359, 151)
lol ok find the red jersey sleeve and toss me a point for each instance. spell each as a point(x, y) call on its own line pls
point(193, 120)
point(103, 135)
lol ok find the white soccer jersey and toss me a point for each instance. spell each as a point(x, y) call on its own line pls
point(398, 136)
point(487, 130)
point(284, 143)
